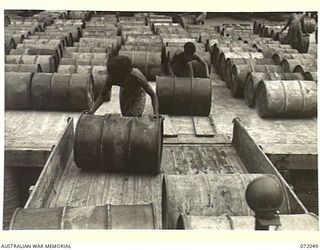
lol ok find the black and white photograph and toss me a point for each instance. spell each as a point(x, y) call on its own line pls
point(160, 120)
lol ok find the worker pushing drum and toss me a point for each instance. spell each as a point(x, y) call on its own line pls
point(178, 65)
point(296, 29)
point(134, 87)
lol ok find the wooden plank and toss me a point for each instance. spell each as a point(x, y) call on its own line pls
point(81, 189)
point(192, 139)
point(53, 169)
point(95, 195)
point(183, 125)
point(29, 130)
point(257, 162)
point(203, 127)
point(168, 128)
point(63, 192)
point(205, 159)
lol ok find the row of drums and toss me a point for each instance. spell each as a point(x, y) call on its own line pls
point(185, 199)
point(215, 202)
point(90, 55)
point(280, 81)
point(74, 88)
point(48, 52)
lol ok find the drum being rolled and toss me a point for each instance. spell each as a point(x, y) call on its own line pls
point(208, 195)
point(113, 143)
point(184, 96)
point(287, 99)
point(200, 70)
point(89, 217)
point(289, 222)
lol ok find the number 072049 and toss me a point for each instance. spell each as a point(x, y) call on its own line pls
point(309, 246)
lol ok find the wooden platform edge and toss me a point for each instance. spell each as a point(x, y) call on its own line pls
point(257, 162)
point(17, 157)
point(54, 167)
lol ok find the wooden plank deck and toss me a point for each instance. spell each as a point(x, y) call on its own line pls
point(31, 135)
point(92, 188)
point(201, 158)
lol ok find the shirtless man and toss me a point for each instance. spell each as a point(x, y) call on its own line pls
point(295, 24)
point(133, 88)
point(180, 60)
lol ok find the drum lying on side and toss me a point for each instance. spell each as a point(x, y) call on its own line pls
point(90, 217)
point(290, 222)
point(113, 143)
point(17, 90)
point(184, 96)
point(253, 79)
point(294, 99)
point(207, 195)
point(149, 63)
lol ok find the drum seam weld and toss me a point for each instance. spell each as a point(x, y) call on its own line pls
point(285, 97)
point(68, 90)
point(128, 158)
point(50, 84)
point(101, 159)
point(146, 63)
point(174, 93)
point(245, 187)
point(192, 96)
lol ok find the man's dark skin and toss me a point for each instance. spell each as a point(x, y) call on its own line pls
point(180, 60)
point(133, 85)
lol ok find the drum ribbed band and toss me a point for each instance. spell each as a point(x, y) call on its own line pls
point(127, 160)
point(303, 97)
point(192, 95)
point(146, 63)
point(285, 96)
point(174, 94)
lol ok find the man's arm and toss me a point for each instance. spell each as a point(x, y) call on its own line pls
point(154, 98)
point(287, 24)
point(200, 60)
point(102, 94)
